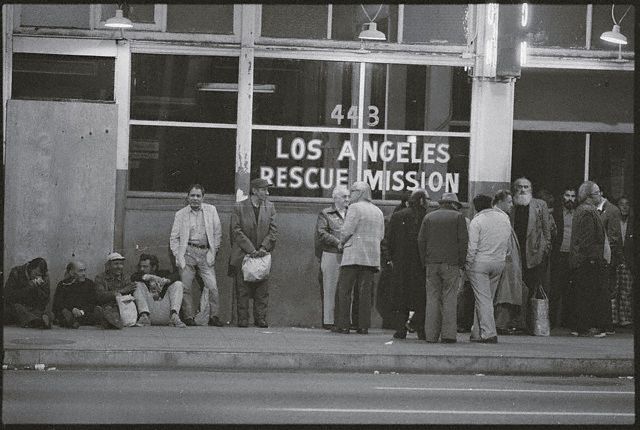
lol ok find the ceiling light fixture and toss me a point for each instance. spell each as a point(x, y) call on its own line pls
point(371, 31)
point(118, 21)
point(614, 36)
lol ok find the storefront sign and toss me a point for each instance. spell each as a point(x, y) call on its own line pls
point(427, 154)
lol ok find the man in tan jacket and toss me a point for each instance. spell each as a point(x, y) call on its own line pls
point(362, 232)
point(195, 240)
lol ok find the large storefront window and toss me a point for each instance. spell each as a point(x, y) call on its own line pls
point(309, 133)
point(435, 24)
point(183, 122)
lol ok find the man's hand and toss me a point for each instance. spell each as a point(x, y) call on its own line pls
point(181, 263)
point(77, 312)
point(340, 246)
point(36, 282)
point(128, 289)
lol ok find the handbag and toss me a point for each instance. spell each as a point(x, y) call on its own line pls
point(539, 313)
point(256, 269)
point(128, 310)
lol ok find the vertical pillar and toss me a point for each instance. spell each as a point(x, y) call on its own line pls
point(491, 112)
point(123, 96)
point(7, 67)
point(245, 101)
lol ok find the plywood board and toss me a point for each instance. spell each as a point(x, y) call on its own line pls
point(59, 183)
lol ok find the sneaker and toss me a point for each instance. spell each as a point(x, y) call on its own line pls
point(610, 331)
point(400, 334)
point(362, 331)
point(598, 333)
point(175, 321)
point(190, 322)
point(574, 333)
point(144, 320)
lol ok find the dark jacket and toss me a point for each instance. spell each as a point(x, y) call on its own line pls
point(401, 248)
point(558, 217)
point(19, 289)
point(610, 217)
point(73, 294)
point(247, 235)
point(108, 285)
point(327, 234)
point(443, 238)
point(587, 236)
point(627, 247)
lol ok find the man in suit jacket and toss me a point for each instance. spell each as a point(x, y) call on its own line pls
point(530, 220)
point(362, 232)
point(253, 233)
point(195, 240)
point(613, 251)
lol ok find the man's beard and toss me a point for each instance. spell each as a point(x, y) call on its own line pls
point(522, 199)
point(569, 204)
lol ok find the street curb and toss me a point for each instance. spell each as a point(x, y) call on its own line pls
point(333, 362)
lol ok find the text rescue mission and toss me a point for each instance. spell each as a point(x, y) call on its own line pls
point(373, 151)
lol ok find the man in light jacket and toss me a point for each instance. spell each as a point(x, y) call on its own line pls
point(253, 233)
point(195, 240)
point(362, 232)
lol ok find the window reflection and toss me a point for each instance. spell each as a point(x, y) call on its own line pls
point(348, 20)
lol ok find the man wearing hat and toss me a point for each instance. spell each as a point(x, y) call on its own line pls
point(195, 239)
point(253, 233)
point(442, 243)
point(109, 284)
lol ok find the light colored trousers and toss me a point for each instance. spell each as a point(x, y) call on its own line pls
point(442, 283)
point(330, 266)
point(484, 277)
point(159, 310)
point(196, 258)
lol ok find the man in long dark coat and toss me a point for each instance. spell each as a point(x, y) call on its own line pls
point(408, 279)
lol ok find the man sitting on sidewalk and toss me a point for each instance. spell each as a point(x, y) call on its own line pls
point(109, 284)
point(158, 294)
point(75, 299)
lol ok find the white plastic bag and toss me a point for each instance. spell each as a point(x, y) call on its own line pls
point(256, 269)
point(128, 310)
point(539, 313)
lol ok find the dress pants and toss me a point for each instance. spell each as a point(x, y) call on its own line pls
point(258, 291)
point(330, 267)
point(196, 258)
point(484, 278)
point(442, 281)
point(359, 278)
point(592, 299)
point(159, 310)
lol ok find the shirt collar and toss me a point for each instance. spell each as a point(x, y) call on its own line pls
point(601, 205)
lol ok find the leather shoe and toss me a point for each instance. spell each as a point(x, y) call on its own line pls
point(362, 331)
point(67, 318)
point(215, 321)
point(421, 334)
point(445, 340)
point(261, 324)
point(340, 330)
point(243, 323)
point(400, 334)
point(327, 326)
point(190, 322)
point(46, 322)
point(492, 339)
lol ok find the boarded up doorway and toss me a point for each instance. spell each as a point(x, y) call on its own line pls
point(60, 183)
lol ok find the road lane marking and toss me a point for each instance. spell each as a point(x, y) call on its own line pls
point(419, 411)
point(506, 390)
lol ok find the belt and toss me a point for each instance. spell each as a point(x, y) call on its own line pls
point(199, 246)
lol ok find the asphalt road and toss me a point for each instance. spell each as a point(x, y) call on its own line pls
point(134, 396)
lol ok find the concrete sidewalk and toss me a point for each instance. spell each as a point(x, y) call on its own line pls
point(310, 349)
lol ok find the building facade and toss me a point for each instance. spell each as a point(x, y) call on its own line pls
point(104, 130)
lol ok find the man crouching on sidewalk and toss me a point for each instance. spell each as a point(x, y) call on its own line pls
point(158, 294)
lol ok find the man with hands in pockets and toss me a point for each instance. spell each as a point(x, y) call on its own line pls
point(195, 240)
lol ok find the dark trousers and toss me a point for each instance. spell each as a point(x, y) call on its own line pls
point(354, 304)
point(465, 306)
point(608, 283)
point(591, 300)
point(258, 291)
point(360, 279)
point(561, 307)
point(23, 315)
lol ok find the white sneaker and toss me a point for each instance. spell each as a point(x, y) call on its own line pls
point(175, 321)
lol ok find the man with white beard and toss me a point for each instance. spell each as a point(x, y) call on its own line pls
point(530, 220)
